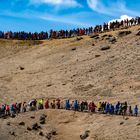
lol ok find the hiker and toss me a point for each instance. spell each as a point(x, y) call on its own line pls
point(24, 107)
point(67, 105)
point(99, 106)
point(117, 108)
point(93, 106)
point(111, 109)
point(103, 104)
point(107, 108)
point(47, 104)
point(18, 107)
point(40, 104)
point(130, 111)
point(124, 108)
point(136, 110)
point(12, 109)
point(75, 105)
point(58, 103)
point(53, 104)
point(82, 106)
point(2, 109)
point(7, 110)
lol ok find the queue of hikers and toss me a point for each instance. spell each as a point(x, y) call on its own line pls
point(70, 33)
point(81, 106)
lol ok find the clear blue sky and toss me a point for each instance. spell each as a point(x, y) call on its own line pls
point(38, 15)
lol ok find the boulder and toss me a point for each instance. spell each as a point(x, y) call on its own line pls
point(94, 36)
point(104, 47)
point(97, 55)
point(29, 129)
point(8, 123)
point(32, 117)
point(35, 126)
point(22, 123)
point(42, 121)
point(97, 37)
point(85, 135)
point(112, 40)
point(21, 68)
point(49, 136)
point(12, 133)
point(41, 133)
point(138, 34)
point(124, 33)
point(121, 123)
point(73, 49)
point(79, 38)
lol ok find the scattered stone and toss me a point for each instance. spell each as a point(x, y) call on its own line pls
point(124, 33)
point(49, 85)
point(29, 129)
point(42, 121)
point(73, 49)
point(35, 126)
point(104, 36)
point(13, 115)
point(110, 35)
point(138, 124)
point(104, 47)
point(42, 117)
point(32, 117)
point(12, 133)
point(21, 68)
point(97, 37)
point(126, 119)
point(112, 40)
point(93, 44)
point(94, 36)
point(85, 135)
point(121, 123)
point(22, 123)
point(39, 127)
point(79, 38)
point(53, 132)
point(138, 34)
point(41, 133)
point(97, 55)
point(8, 123)
point(49, 136)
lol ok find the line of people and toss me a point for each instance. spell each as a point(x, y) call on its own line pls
point(69, 33)
point(83, 106)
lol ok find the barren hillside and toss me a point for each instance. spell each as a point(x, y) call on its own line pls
point(75, 69)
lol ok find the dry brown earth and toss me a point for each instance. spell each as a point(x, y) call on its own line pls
point(73, 69)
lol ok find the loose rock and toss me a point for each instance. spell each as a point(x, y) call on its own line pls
point(138, 34)
point(29, 129)
point(85, 135)
point(104, 47)
point(124, 33)
point(22, 123)
point(41, 133)
point(94, 36)
point(35, 126)
point(73, 49)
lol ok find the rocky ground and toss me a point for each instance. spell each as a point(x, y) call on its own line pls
point(98, 68)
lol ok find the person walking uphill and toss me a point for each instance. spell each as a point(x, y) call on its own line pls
point(136, 111)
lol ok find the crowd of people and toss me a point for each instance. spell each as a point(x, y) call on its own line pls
point(69, 33)
point(81, 106)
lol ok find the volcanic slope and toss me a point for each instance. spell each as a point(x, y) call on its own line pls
point(75, 69)
point(68, 68)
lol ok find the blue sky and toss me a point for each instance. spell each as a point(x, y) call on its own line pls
point(43, 15)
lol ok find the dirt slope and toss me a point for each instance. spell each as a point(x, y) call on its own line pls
point(72, 69)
